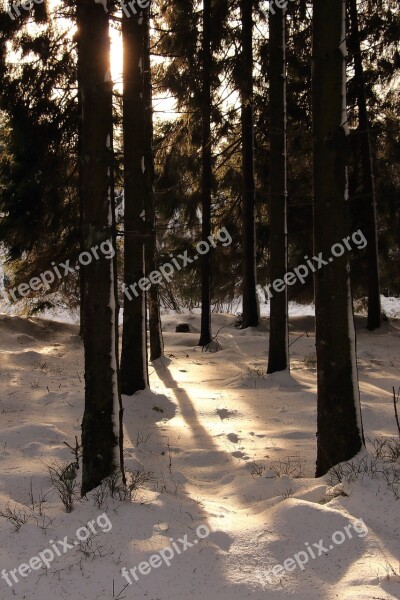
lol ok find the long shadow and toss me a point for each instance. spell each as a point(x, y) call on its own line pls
point(186, 405)
point(174, 513)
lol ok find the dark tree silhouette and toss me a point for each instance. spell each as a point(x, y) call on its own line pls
point(340, 433)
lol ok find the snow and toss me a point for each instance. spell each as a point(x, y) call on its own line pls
point(210, 423)
point(391, 306)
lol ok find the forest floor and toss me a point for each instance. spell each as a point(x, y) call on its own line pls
point(232, 455)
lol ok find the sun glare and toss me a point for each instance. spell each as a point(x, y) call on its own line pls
point(116, 56)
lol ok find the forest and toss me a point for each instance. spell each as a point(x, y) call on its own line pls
point(200, 299)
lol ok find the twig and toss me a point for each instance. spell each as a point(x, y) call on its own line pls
point(119, 595)
point(300, 336)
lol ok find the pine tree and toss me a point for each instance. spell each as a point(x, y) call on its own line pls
point(340, 433)
point(134, 364)
point(374, 297)
point(38, 133)
point(206, 175)
point(102, 402)
point(250, 317)
point(278, 356)
point(153, 297)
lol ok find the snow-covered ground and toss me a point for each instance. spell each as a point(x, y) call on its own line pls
point(226, 445)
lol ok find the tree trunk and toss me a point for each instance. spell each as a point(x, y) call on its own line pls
point(374, 295)
point(80, 194)
point(206, 178)
point(153, 298)
point(278, 356)
point(102, 402)
point(250, 317)
point(134, 373)
point(340, 433)
point(116, 320)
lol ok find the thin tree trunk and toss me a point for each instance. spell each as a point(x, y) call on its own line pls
point(102, 402)
point(134, 370)
point(80, 194)
point(116, 320)
point(153, 297)
point(340, 432)
point(206, 179)
point(374, 295)
point(250, 317)
point(278, 356)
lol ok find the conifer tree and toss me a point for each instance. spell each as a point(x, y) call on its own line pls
point(340, 432)
point(101, 420)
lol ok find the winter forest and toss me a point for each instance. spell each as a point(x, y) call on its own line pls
point(199, 299)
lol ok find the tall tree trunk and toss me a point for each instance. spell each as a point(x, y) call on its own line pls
point(102, 402)
point(153, 298)
point(250, 317)
point(80, 195)
point(278, 357)
point(374, 296)
point(134, 370)
point(340, 432)
point(206, 177)
point(116, 320)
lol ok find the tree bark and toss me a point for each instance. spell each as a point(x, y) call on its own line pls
point(134, 369)
point(340, 432)
point(250, 317)
point(374, 295)
point(278, 356)
point(206, 178)
point(102, 401)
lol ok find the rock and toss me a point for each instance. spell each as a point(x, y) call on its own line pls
point(182, 328)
